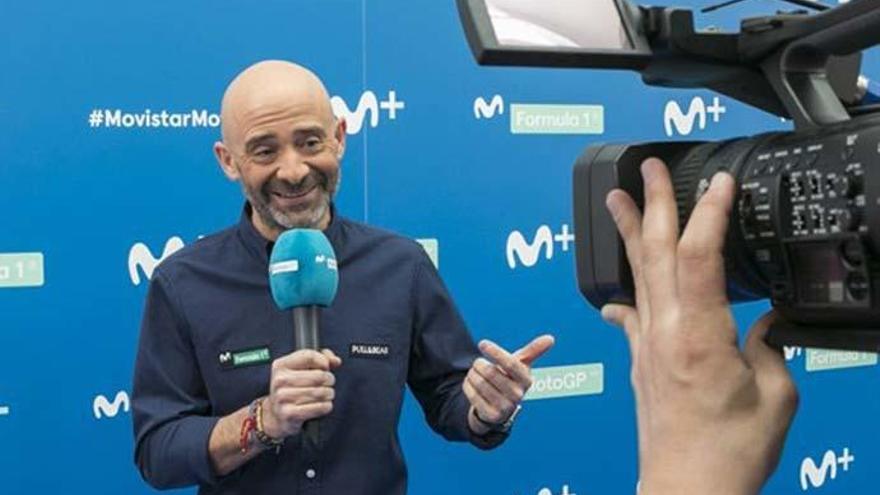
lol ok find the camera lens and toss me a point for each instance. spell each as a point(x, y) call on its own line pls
point(751, 212)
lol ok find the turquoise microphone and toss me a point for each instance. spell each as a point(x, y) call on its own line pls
point(303, 276)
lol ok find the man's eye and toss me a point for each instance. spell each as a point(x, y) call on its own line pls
point(313, 143)
point(263, 152)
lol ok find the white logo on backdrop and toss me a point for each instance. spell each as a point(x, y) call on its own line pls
point(792, 352)
point(141, 257)
point(484, 110)
point(368, 104)
point(544, 240)
point(102, 407)
point(675, 120)
point(817, 476)
point(565, 491)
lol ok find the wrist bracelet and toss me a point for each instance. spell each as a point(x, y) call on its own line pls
point(260, 434)
point(502, 427)
point(247, 427)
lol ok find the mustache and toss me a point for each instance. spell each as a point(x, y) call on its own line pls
point(314, 178)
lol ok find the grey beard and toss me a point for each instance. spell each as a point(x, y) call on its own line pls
point(280, 220)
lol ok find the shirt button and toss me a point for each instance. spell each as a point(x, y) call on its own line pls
point(310, 474)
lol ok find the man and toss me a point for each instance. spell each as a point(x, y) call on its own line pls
point(711, 418)
point(220, 396)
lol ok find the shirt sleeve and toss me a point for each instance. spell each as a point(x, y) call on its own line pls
point(442, 353)
point(170, 408)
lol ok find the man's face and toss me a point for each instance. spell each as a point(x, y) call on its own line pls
point(288, 161)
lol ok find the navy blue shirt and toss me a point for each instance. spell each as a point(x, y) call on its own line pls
point(210, 331)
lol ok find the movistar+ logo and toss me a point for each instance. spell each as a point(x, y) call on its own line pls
point(676, 121)
point(813, 476)
point(543, 242)
point(488, 110)
point(368, 105)
point(564, 491)
point(792, 352)
point(102, 407)
point(140, 257)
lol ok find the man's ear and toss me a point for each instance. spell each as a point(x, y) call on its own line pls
point(340, 135)
point(224, 159)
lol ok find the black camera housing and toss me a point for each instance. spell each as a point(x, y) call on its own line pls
point(805, 230)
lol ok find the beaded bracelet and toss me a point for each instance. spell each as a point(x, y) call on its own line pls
point(262, 437)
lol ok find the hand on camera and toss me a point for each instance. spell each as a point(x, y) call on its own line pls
point(711, 418)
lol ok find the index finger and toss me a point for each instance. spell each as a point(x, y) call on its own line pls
point(534, 349)
point(506, 361)
point(659, 234)
point(628, 220)
point(304, 359)
point(701, 250)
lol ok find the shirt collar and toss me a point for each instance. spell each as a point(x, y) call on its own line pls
point(261, 247)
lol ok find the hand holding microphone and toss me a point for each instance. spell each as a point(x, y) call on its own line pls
point(301, 389)
point(303, 276)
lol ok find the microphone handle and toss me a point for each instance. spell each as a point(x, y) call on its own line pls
point(305, 328)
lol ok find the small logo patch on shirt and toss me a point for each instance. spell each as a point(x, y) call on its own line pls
point(246, 357)
point(372, 351)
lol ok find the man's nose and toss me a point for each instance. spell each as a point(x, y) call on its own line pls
point(292, 167)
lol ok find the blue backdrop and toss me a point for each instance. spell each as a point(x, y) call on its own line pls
point(99, 185)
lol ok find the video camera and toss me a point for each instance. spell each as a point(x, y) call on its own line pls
point(805, 228)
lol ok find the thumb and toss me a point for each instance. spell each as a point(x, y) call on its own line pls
point(771, 373)
point(534, 349)
point(756, 351)
point(768, 362)
point(627, 319)
point(335, 361)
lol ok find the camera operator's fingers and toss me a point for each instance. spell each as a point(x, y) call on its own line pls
point(659, 235)
point(627, 319)
point(700, 267)
point(756, 349)
point(777, 388)
point(768, 363)
point(628, 219)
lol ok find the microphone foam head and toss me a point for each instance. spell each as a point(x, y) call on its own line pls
point(302, 269)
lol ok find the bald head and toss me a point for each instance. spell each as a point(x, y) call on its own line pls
point(267, 90)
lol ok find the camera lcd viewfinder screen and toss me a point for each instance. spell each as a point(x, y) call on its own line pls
point(579, 24)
